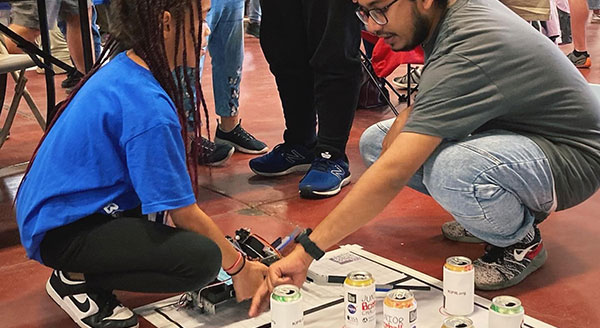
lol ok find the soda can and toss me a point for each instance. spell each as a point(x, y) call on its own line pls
point(458, 322)
point(399, 309)
point(506, 312)
point(359, 300)
point(459, 286)
point(286, 307)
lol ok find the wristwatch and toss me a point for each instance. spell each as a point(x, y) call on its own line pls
point(311, 248)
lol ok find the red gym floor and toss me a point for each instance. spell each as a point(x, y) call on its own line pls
point(563, 293)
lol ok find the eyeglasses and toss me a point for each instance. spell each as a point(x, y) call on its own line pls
point(377, 14)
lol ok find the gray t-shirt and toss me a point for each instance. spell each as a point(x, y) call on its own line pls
point(486, 68)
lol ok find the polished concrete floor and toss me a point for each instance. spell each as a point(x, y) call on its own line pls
point(563, 293)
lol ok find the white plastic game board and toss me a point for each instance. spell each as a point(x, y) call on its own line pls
point(324, 304)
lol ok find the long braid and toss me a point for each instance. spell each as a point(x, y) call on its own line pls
point(139, 26)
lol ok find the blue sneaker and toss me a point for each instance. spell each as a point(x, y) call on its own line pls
point(325, 178)
point(283, 159)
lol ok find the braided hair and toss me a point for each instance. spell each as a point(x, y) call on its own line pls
point(138, 25)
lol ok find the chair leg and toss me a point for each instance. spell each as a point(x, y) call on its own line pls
point(34, 109)
point(3, 81)
point(14, 106)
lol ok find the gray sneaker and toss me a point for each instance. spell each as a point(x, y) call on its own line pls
point(241, 140)
point(501, 267)
point(581, 61)
point(454, 231)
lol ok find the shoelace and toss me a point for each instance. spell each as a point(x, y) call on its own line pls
point(493, 254)
point(320, 164)
point(240, 132)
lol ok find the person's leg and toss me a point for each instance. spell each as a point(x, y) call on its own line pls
point(333, 43)
point(497, 185)
point(579, 19)
point(284, 44)
point(254, 17)
point(132, 254)
point(226, 46)
point(69, 12)
point(24, 22)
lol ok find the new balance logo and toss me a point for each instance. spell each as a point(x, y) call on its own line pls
point(519, 254)
point(338, 172)
point(293, 156)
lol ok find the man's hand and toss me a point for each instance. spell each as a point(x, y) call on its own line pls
point(289, 270)
point(249, 280)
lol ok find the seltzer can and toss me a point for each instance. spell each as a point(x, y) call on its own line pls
point(459, 286)
point(399, 309)
point(506, 312)
point(458, 322)
point(286, 307)
point(359, 300)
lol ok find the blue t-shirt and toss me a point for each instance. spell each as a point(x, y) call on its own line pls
point(117, 146)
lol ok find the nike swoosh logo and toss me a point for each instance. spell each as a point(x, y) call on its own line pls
point(520, 254)
point(83, 307)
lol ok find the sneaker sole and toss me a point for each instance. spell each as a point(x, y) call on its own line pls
point(296, 168)
point(535, 264)
point(310, 194)
point(242, 149)
point(221, 162)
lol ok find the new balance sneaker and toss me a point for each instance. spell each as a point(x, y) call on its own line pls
point(214, 154)
point(580, 61)
point(253, 29)
point(325, 178)
point(454, 231)
point(401, 82)
point(283, 159)
point(241, 140)
point(501, 267)
point(88, 308)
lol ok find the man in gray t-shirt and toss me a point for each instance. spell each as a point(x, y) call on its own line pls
point(504, 130)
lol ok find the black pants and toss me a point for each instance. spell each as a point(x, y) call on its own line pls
point(312, 47)
point(132, 254)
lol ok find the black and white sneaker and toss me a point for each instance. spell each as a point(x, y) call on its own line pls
point(401, 82)
point(89, 308)
point(504, 267)
point(214, 154)
point(241, 140)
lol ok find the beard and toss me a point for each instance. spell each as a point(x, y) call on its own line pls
point(421, 26)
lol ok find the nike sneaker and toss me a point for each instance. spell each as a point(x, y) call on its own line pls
point(89, 309)
point(283, 159)
point(504, 267)
point(325, 178)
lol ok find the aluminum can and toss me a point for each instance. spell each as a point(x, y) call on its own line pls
point(399, 309)
point(459, 286)
point(359, 300)
point(458, 322)
point(506, 312)
point(286, 307)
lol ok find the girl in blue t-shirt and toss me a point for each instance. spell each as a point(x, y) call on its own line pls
point(115, 158)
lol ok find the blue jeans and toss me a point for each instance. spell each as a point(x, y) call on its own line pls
point(254, 12)
point(226, 47)
point(493, 183)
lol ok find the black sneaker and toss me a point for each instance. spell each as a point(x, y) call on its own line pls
point(501, 267)
point(214, 154)
point(241, 140)
point(253, 29)
point(89, 308)
point(71, 80)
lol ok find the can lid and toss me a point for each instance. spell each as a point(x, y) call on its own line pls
point(458, 322)
point(359, 279)
point(399, 298)
point(286, 293)
point(459, 263)
point(506, 305)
